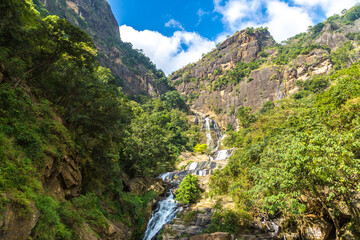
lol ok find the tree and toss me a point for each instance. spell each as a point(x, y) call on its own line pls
point(188, 191)
point(245, 116)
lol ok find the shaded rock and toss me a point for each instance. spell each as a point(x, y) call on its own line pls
point(213, 236)
point(86, 233)
point(16, 226)
point(141, 185)
point(180, 227)
point(63, 179)
point(97, 19)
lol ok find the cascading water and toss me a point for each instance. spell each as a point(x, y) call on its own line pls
point(222, 155)
point(218, 134)
point(163, 214)
point(208, 131)
point(167, 208)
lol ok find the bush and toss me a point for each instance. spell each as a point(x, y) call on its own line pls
point(188, 191)
point(201, 148)
point(50, 225)
point(316, 84)
point(267, 107)
point(228, 221)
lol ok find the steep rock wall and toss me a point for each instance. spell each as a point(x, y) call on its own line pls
point(134, 72)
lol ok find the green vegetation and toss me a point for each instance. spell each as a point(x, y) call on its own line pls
point(228, 221)
point(188, 191)
point(58, 105)
point(201, 148)
point(236, 75)
point(305, 148)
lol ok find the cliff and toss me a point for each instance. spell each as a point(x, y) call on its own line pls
point(250, 69)
point(133, 70)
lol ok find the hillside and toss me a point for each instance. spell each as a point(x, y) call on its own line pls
point(250, 69)
point(77, 157)
point(259, 141)
point(131, 68)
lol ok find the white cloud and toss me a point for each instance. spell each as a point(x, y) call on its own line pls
point(235, 11)
point(330, 7)
point(172, 23)
point(285, 21)
point(167, 52)
point(201, 13)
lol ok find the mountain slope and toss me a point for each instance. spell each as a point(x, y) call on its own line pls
point(133, 70)
point(77, 157)
point(250, 69)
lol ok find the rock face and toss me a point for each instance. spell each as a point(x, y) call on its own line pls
point(63, 179)
point(132, 69)
point(14, 226)
point(179, 227)
point(269, 82)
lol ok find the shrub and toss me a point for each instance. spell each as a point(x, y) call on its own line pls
point(201, 148)
point(188, 191)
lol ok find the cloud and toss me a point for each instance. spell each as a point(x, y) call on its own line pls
point(168, 53)
point(201, 13)
point(285, 21)
point(172, 23)
point(236, 12)
point(330, 7)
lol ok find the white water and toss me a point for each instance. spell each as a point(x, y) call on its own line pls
point(222, 154)
point(193, 166)
point(163, 214)
point(167, 208)
point(208, 132)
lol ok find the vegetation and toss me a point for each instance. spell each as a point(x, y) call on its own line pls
point(236, 75)
point(201, 148)
point(188, 191)
point(305, 147)
point(57, 104)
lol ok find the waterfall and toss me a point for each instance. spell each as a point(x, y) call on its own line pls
point(167, 208)
point(193, 166)
point(208, 132)
point(222, 154)
point(164, 213)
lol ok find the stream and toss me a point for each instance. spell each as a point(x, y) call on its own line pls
point(167, 208)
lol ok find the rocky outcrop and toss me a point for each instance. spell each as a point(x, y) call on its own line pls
point(140, 186)
point(64, 179)
point(17, 226)
point(180, 227)
point(270, 82)
point(134, 72)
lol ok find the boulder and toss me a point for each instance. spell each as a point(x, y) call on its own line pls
point(16, 226)
point(213, 236)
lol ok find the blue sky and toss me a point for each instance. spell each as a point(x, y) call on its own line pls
point(177, 32)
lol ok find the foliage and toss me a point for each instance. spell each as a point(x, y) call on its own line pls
point(236, 75)
point(267, 107)
point(245, 116)
point(298, 149)
point(54, 222)
point(228, 221)
point(57, 103)
point(173, 99)
point(342, 55)
point(201, 148)
point(188, 191)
